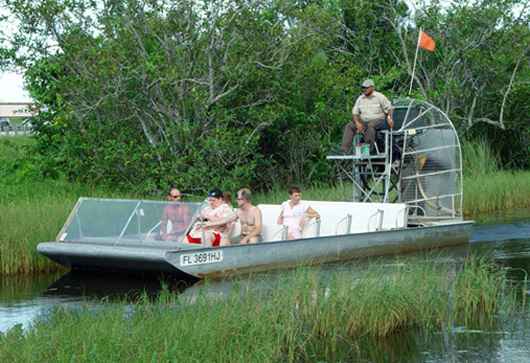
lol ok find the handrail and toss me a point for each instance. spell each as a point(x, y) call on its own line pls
point(349, 219)
point(406, 209)
point(381, 213)
point(154, 227)
point(314, 221)
point(283, 231)
point(128, 221)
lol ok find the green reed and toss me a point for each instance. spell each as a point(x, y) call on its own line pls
point(479, 158)
point(498, 191)
point(487, 188)
point(305, 315)
point(31, 213)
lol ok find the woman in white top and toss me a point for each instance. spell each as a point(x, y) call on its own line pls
point(295, 213)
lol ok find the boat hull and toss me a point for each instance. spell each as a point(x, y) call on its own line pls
point(92, 256)
point(287, 254)
point(244, 259)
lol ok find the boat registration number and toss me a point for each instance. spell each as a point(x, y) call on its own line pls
point(201, 258)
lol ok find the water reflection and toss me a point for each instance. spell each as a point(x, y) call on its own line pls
point(114, 287)
point(21, 300)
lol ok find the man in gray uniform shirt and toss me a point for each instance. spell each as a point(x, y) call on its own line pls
point(370, 112)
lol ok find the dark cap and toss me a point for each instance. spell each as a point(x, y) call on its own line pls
point(215, 193)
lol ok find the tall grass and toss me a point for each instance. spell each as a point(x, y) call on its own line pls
point(31, 213)
point(487, 187)
point(479, 158)
point(493, 192)
point(304, 316)
point(16, 288)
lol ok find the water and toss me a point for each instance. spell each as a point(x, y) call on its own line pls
point(504, 237)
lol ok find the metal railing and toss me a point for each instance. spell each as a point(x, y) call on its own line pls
point(380, 214)
point(348, 220)
point(16, 130)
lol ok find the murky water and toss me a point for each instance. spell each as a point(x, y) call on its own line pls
point(505, 237)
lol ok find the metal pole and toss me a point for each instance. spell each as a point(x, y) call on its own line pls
point(415, 59)
point(128, 222)
point(381, 216)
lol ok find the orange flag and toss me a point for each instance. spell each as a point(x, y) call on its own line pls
point(426, 42)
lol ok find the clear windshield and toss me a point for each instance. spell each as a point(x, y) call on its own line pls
point(128, 221)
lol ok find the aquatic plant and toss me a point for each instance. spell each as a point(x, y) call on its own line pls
point(305, 315)
point(493, 192)
point(479, 158)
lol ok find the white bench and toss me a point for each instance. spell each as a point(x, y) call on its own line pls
point(338, 218)
point(365, 217)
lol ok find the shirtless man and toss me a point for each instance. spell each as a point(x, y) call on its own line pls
point(249, 217)
point(295, 214)
point(175, 218)
point(215, 223)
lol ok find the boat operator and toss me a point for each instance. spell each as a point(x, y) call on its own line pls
point(371, 112)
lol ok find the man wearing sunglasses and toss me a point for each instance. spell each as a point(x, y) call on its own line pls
point(372, 112)
point(175, 218)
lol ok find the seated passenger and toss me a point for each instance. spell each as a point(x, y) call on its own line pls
point(215, 222)
point(175, 218)
point(295, 214)
point(249, 217)
point(227, 198)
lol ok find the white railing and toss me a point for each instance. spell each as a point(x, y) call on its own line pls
point(16, 130)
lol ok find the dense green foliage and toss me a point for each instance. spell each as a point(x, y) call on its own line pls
point(301, 316)
point(138, 94)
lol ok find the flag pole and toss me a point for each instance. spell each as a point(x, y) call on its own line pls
point(415, 59)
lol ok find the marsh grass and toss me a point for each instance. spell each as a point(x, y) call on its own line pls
point(22, 226)
point(18, 288)
point(301, 317)
point(493, 192)
point(32, 213)
point(487, 187)
point(479, 158)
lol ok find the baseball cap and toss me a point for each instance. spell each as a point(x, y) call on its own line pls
point(368, 83)
point(215, 193)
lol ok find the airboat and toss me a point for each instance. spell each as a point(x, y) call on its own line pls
point(406, 197)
